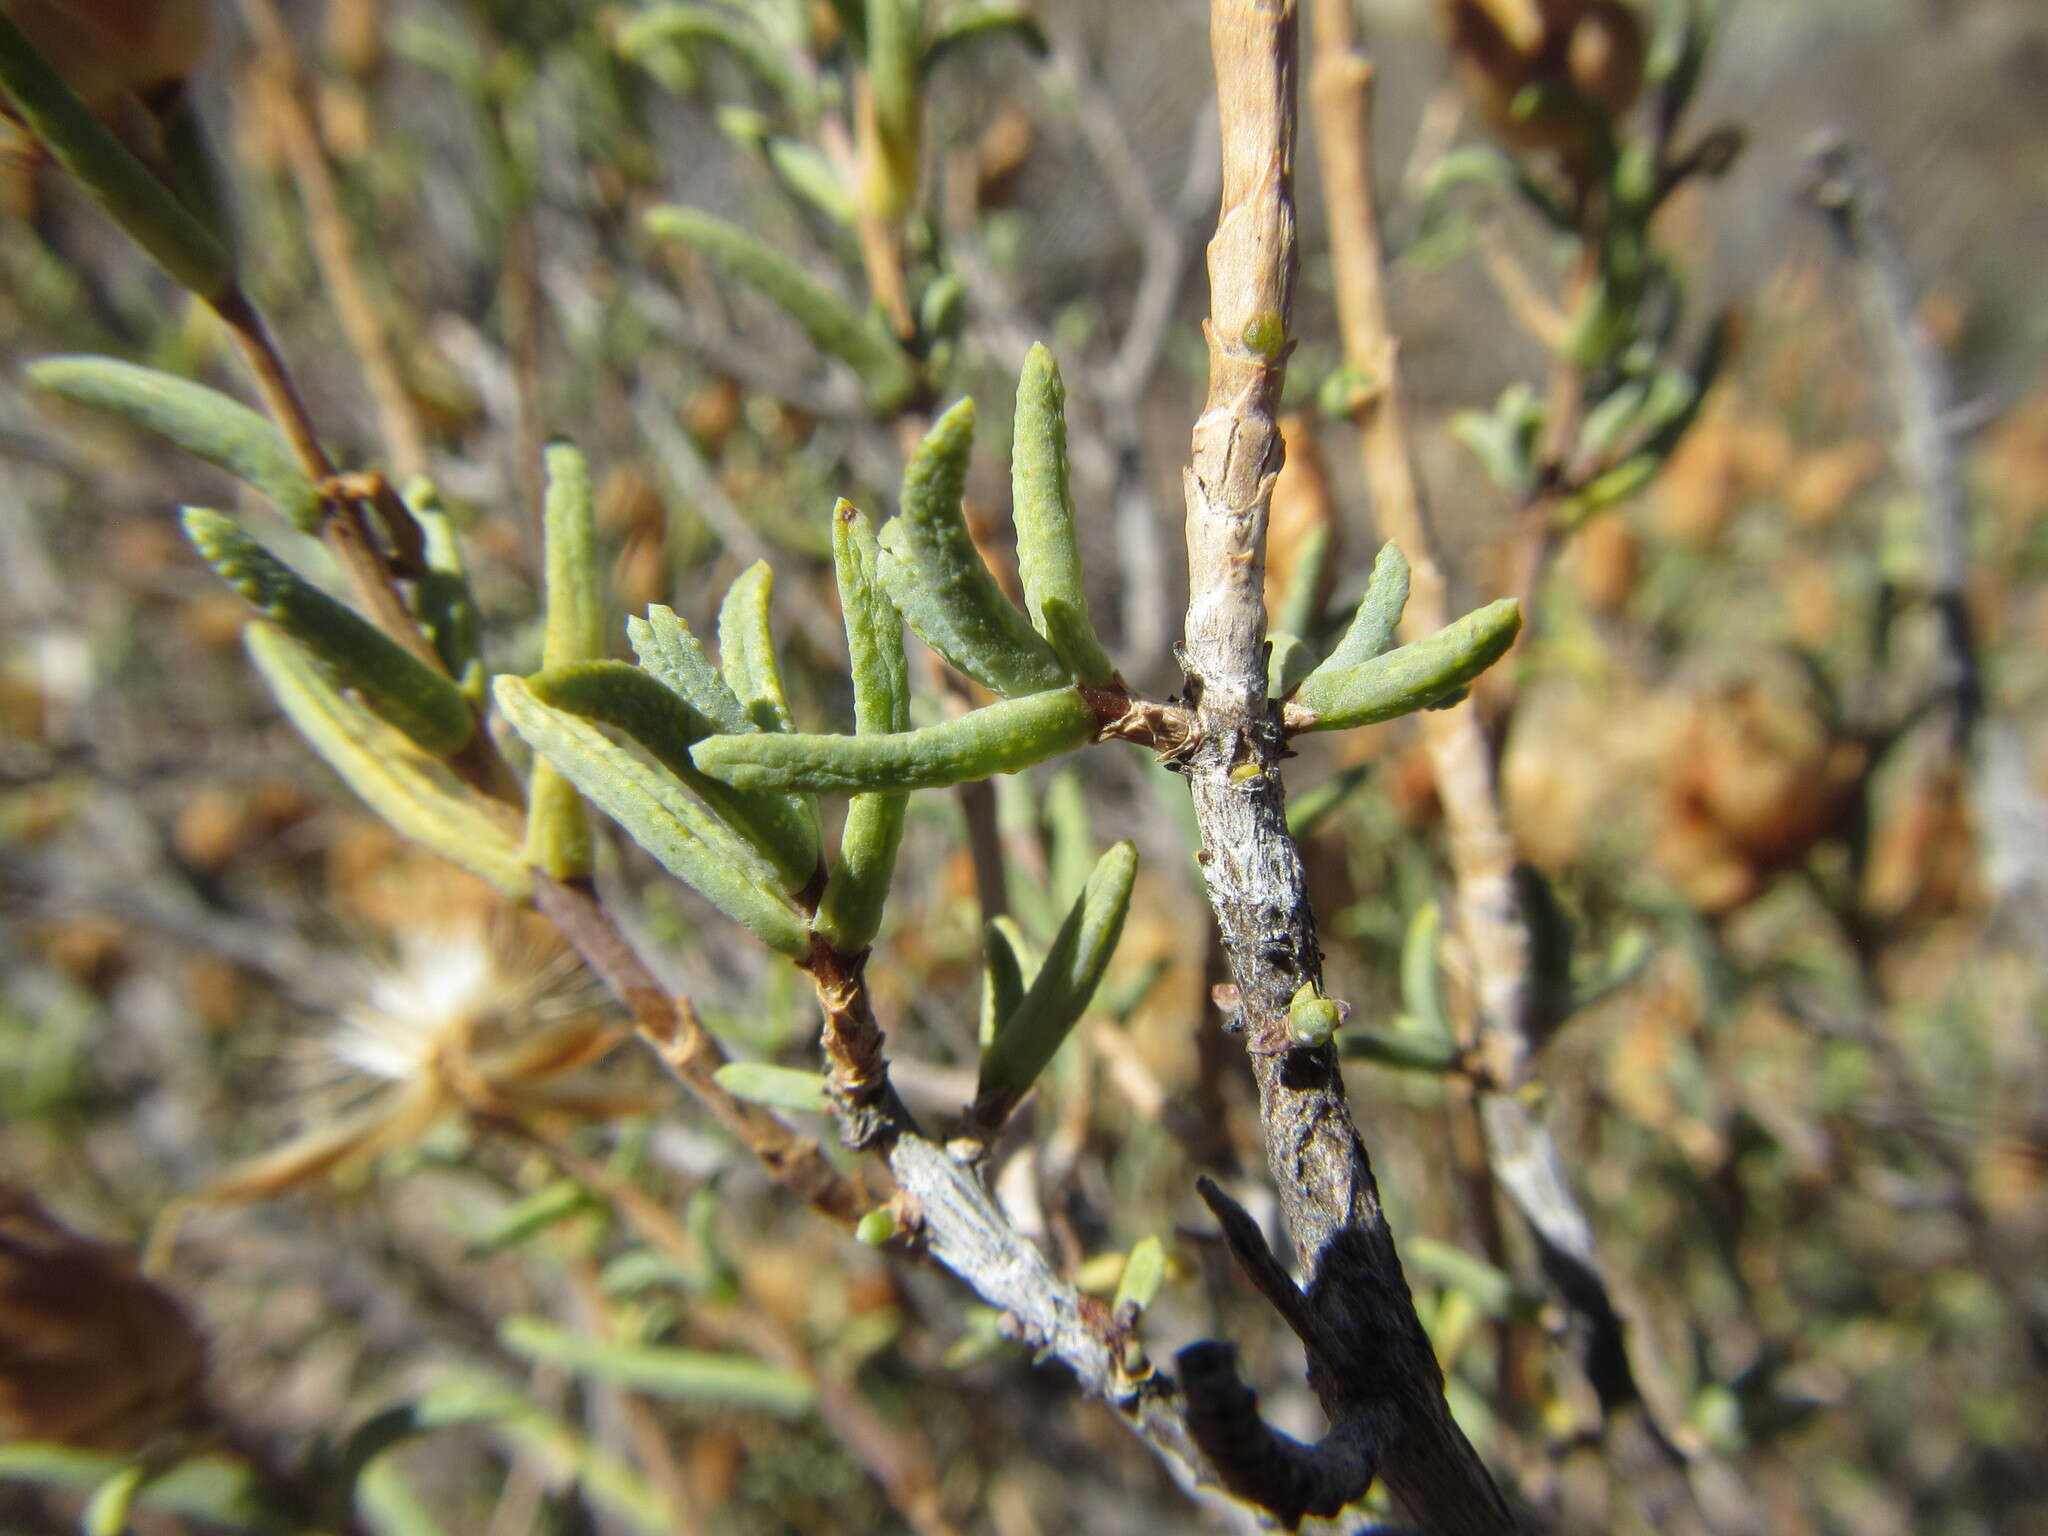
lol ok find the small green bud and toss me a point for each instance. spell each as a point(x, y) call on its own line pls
point(876, 1227)
point(1266, 335)
point(1313, 1019)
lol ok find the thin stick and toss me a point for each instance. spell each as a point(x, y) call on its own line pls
point(345, 529)
point(1383, 1388)
point(285, 101)
point(1845, 190)
point(670, 1024)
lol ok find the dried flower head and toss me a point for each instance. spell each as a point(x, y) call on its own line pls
point(1756, 778)
point(478, 1021)
point(92, 1355)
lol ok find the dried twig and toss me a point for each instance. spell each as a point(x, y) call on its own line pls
point(1844, 188)
point(687, 1049)
point(1380, 1383)
point(287, 98)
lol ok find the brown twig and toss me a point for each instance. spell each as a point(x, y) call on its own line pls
point(1383, 1390)
point(670, 1025)
point(870, 1114)
point(286, 101)
point(345, 528)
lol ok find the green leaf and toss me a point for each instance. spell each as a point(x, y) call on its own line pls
point(1617, 484)
point(544, 1208)
point(106, 1512)
point(1504, 441)
point(777, 1087)
point(576, 621)
point(895, 50)
point(1001, 738)
point(663, 26)
point(1629, 958)
point(446, 605)
point(876, 1227)
point(639, 1270)
point(1144, 1273)
point(1552, 938)
point(1070, 840)
point(658, 813)
point(1048, 548)
point(1005, 977)
point(1469, 165)
point(1060, 993)
point(557, 830)
point(1018, 822)
point(192, 170)
point(941, 308)
point(558, 1451)
point(968, 26)
point(1414, 677)
point(355, 654)
point(390, 1505)
point(726, 1381)
point(853, 20)
point(781, 828)
point(1349, 390)
point(1312, 1019)
point(1422, 983)
point(415, 793)
point(120, 183)
point(1403, 1053)
point(205, 423)
point(850, 912)
point(1287, 663)
point(874, 629)
point(675, 657)
point(1679, 54)
point(939, 582)
point(1456, 1269)
point(1308, 811)
point(746, 649)
point(885, 369)
point(1300, 610)
point(1611, 418)
point(1379, 612)
point(803, 170)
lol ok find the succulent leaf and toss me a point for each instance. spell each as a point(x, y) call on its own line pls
point(659, 814)
point(1001, 738)
point(937, 578)
point(780, 827)
point(1048, 548)
point(204, 422)
point(1026, 1041)
point(396, 685)
point(850, 912)
point(1419, 674)
point(412, 791)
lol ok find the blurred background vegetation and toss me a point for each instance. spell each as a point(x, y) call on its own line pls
point(1810, 1121)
